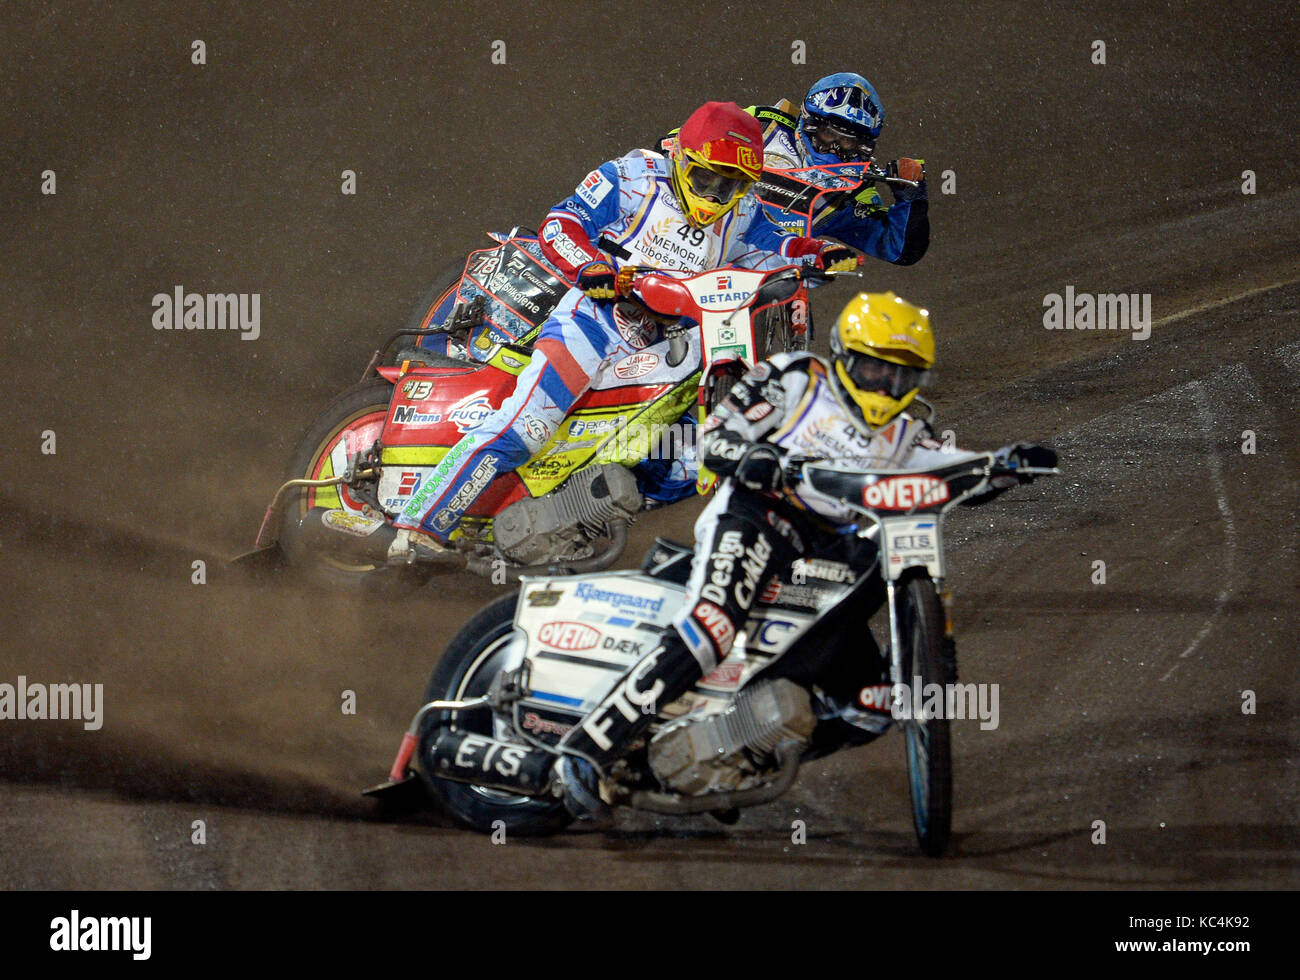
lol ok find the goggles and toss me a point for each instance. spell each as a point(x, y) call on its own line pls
point(874, 375)
point(851, 146)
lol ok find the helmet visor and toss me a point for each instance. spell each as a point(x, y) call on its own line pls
point(872, 374)
point(848, 144)
point(706, 183)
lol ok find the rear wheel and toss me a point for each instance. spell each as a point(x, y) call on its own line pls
point(721, 380)
point(927, 654)
point(480, 651)
point(350, 424)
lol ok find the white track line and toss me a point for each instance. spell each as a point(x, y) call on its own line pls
point(1229, 532)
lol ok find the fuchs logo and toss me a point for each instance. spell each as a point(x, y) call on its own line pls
point(568, 636)
point(636, 366)
point(469, 412)
point(536, 429)
point(904, 493)
point(417, 390)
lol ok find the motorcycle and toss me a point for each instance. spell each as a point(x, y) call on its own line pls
point(371, 450)
point(531, 665)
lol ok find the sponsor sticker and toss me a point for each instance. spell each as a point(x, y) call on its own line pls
point(725, 677)
point(594, 187)
point(470, 411)
point(536, 429)
point(876, 697)
point(544, 597)
point(904, 493)
point(636, 366)
point(565, 635)
point(619, 600)
point(594, 427)
point(356, 524)
point(534, 722)
point(716, 623)
point(731, 351)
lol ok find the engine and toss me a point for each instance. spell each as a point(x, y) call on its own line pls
point(539, 529)
point(731, 749)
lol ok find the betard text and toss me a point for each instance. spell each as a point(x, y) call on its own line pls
point(179, 310)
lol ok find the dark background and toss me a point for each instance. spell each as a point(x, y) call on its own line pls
point(1120, 702)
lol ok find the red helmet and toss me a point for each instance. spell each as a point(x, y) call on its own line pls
point(718, 154)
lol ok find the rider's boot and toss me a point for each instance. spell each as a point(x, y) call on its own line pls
point(373, 539)
point(608, 732)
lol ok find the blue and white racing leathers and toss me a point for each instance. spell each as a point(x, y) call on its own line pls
point(629, 202)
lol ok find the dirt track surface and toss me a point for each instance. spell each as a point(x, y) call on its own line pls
point(1120, 702)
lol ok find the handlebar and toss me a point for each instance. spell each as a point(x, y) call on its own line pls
point(878, 175)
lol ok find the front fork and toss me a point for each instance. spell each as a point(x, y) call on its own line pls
point(895, 625)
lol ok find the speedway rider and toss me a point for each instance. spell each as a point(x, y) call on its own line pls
point(850, 410)
point(838, 124)
point(691, 210)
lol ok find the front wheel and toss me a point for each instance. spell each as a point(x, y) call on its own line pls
point(481, 650)
point(926, 654)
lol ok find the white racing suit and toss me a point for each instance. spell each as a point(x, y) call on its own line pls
point(744, 536)
point(630, 203)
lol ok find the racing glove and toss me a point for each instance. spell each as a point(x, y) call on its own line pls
point(907, 169)
point(1026, 454)
point(760, 468)
point(596, 279)
point(837, 258)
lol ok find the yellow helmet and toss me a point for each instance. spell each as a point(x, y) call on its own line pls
point(883, 349)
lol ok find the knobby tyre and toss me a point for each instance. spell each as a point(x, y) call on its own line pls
point(480, 651)
point(352, 421)
point(927, 654)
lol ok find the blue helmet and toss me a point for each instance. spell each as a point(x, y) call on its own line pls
point(841, 120)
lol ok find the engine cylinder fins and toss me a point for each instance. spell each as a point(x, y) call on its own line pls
point(542, 529)
point(699, 755)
